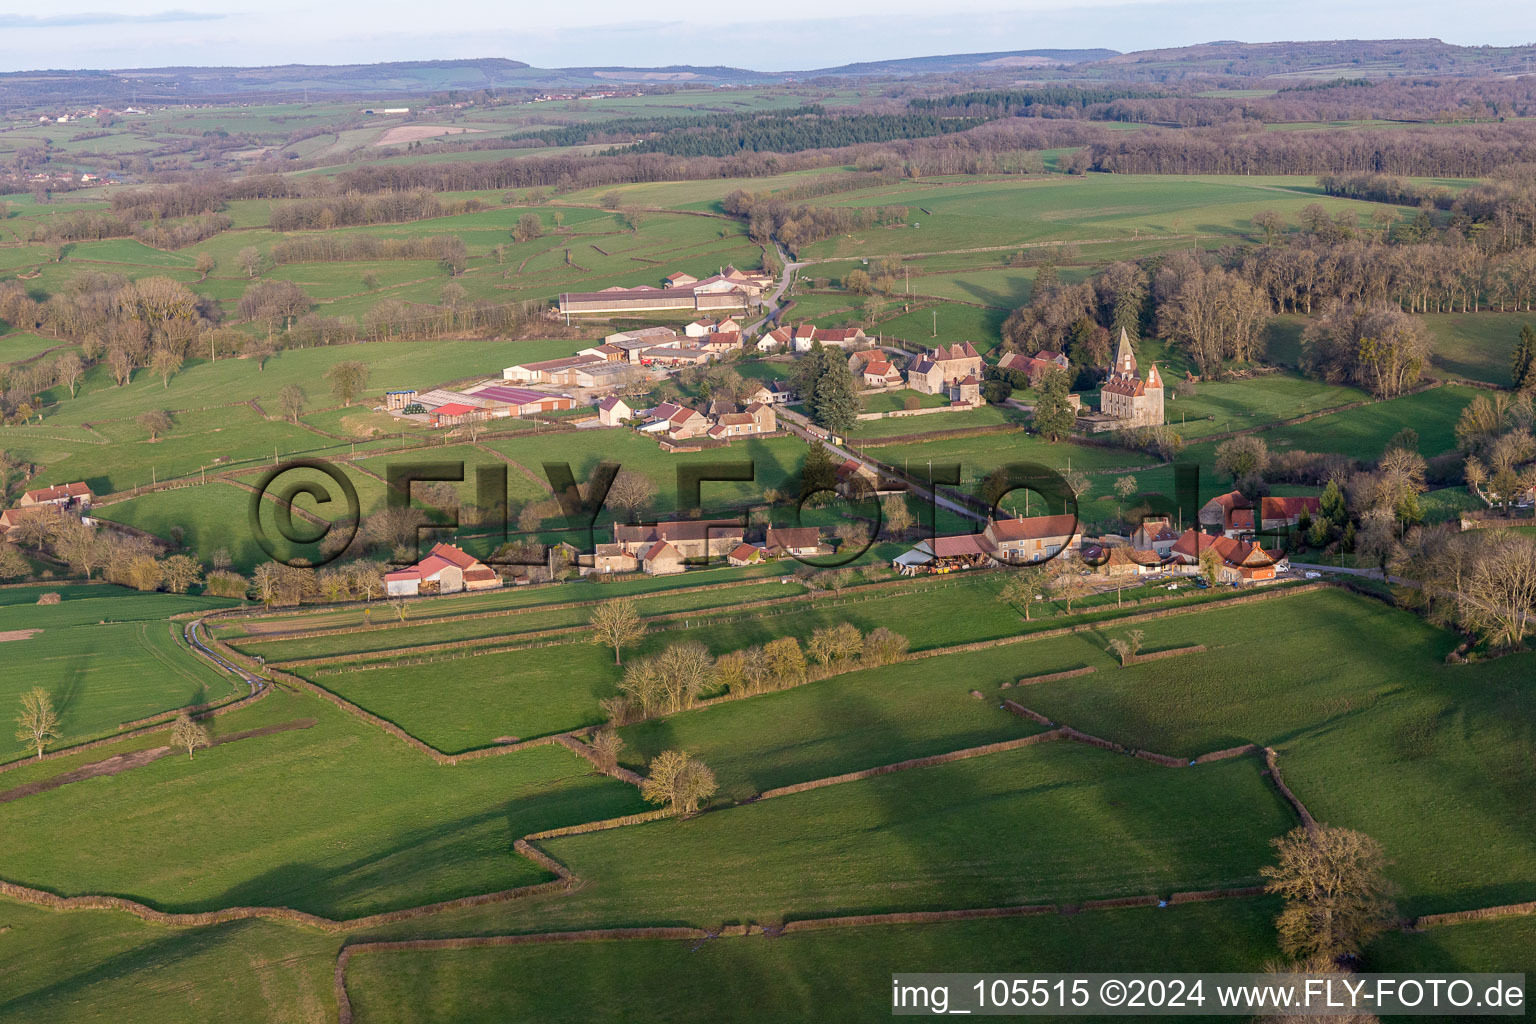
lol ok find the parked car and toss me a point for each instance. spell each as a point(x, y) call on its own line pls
point(1312, 574)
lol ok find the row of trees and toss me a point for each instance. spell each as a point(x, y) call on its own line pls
point(798, 225)
point(683, 673)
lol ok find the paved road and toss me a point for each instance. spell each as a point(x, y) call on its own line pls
point(797, 424)
point(190, 631)
point(772, 302)
point(1374, 574)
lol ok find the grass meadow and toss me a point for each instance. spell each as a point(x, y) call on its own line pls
point(337, 819)
point(788, 978)
point(105, 656)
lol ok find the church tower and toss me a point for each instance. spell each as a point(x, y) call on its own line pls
point(1125, 359)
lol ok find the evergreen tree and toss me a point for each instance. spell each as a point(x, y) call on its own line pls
point(1522, 367)
point(822, 377)
point(1054, 415)
point(819, 472)
point(837, 400)
point(1332, 505)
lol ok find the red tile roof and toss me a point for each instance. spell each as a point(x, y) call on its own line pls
point(745, 553)
point(58, 491)
point(793, 537)
point(1033, 527)
point(1289, 507)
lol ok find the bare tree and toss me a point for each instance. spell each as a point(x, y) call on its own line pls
point(69, 369)
point(678, 779)
point(165, 363)
point(1023, 587)
point(631, 493)
point(38, 723)
point(606, 745)
point(291, 401)
point(179, 573)
point(1337, 896)
point(249, 260)
point(155, 422)
point(617, 624)
point(189, 735)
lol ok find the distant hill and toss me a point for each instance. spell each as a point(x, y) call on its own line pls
point(1319, 58)
point(1324, 58)
point(1000, 60)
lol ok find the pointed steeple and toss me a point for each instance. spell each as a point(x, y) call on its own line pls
point(1154, 380)
point(1125, 359)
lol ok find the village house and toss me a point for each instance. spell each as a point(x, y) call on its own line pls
point(1035, 366)
point(677, 422)
point(798, 541)
point(881, 373)
point(1278, 513)
point(662, 559)
point(1241, 561)
point(705, 327)
point(678, 279)
point(1031, 539)
point(1155, 535)
point(1120, 560)
point(62, 495)
point(775, 392)
point(696, 539)
point(609, 558)
point(937, 369)
point(445, 570)
point(857, 480)
point(745, 554)
point(1218, 513)
point(757, 418)
point(613, 411)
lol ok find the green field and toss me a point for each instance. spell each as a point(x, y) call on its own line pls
point(787, 978)
point(1476, 346)
point(265, 810)
point(967, 214)
point(105, 656)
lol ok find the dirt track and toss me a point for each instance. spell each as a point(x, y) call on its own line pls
point(138, 759)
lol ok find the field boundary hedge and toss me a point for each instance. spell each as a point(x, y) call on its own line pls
point(1465, 916)
point(915, 762)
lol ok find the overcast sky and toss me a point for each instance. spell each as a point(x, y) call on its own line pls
point(783, 35)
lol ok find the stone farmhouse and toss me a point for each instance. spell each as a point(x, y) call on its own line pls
point(1019, 541)
point(946, 370)
point(757, 418)
point(664, 548)
point(445, 570)
point(60, 495)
